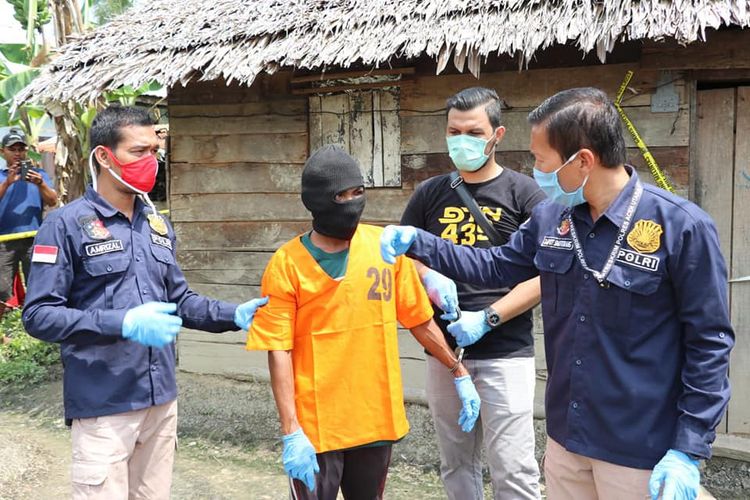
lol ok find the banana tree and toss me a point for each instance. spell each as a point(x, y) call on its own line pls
point(19, 65)
point(16, 72)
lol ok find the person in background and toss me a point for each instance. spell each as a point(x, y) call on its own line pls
point(495, 326)
point(24, 192)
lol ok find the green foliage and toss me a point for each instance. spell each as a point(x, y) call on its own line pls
point(127, 95)
point(16, 53)
point(37, 9)
point(106, 10)
point(23, 360)
point(21, 373)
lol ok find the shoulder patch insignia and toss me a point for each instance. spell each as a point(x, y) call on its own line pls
point(157, 224)
point(94, 227)
point(44, 253)
point(645, 237)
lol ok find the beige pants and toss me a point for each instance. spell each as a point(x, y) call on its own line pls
point(575, 477)
point(125, 456)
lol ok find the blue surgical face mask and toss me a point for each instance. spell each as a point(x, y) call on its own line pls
point(550, 184)
point(467, 152)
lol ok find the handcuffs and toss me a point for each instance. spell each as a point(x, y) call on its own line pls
point(458, 351)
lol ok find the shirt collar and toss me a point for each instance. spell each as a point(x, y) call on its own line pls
point(619, 207)
point(104, 208)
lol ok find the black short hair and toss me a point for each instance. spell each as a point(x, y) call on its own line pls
point(582, 118)
point(473, 97)
point(106, 127)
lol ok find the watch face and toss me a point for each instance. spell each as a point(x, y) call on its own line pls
point(493, 318)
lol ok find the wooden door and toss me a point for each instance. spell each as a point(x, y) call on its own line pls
point(720, 159)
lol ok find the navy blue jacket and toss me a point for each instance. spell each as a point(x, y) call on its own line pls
point(103, 266)
point(638, 365)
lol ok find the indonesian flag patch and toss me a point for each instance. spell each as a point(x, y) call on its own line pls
point(44, 253)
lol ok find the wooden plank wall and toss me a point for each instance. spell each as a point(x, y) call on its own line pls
point(237, 154)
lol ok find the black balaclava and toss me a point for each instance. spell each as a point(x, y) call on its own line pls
point(328, 172)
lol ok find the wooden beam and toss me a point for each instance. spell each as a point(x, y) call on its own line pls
point(285, 106)
point(673, 160)
point(234, 236)
point(383, 205)
point(732, 446)
point(527, 89)
point(738, 413)
point(251, 148)
point(228, 293)
point(351, 74)
point(206, 178)
point(265, 87)
point(426, 133)
point(740, 76)
point(342, 88)
point(725, 49)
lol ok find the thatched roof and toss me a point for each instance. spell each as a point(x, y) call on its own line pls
point(175, 41)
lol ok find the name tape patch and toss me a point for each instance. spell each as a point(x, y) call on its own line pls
point(638, 260)
point(46, 254)
point(110, 246)
point(161, 241)
point(557, 243)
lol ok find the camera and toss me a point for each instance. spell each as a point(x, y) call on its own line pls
point(25, 166)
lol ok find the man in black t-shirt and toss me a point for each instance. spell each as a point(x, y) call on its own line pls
point(495, 326)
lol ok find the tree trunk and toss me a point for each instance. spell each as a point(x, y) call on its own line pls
point(71, 134)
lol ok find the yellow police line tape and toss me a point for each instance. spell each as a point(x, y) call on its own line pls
point(656, 172)
point(31, 234)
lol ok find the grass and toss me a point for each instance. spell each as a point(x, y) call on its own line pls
point(24, 360)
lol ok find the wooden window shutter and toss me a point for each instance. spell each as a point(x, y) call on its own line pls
point(366, 124)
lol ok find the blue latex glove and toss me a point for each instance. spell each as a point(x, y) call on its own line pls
point(152, 324)
point(395, 241)
point(299, 458)
point(442, 292)
point(680, 475)
point(470, 402)
point(469, 328)
point(243, 315)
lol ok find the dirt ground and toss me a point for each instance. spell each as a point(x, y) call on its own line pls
point(228, 449)
point(35, 449)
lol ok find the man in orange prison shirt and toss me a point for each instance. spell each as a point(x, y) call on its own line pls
point(330, 332)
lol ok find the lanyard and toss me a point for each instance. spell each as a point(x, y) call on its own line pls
point(601, 276)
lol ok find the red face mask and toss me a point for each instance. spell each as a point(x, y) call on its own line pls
point(138, 175)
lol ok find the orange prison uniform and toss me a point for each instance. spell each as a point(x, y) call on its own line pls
point(342, 334)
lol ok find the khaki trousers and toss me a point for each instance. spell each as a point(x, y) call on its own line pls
point(125, 456)
point(574, 477)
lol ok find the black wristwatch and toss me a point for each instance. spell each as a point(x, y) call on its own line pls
point(492, 317)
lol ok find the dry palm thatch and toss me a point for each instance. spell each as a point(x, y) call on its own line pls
point(175, 41)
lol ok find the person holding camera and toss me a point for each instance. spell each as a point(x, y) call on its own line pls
point(24, 191)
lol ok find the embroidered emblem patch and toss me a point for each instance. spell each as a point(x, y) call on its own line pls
point(638, 260)
point(94, 227)
point(157, 224)
point(44, 253)
point(645, 237)
point(95, 249)
point(161, 241)
point(557, 243)
point(564, 228)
